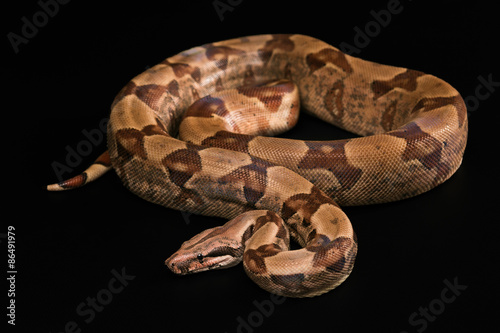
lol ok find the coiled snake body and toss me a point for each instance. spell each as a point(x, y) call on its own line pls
point(413, 129)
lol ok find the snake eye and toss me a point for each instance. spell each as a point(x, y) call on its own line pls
point(200, 257)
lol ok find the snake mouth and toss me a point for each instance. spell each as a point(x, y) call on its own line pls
point(188, 264)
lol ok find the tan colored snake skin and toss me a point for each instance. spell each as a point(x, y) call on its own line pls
point(413, 127)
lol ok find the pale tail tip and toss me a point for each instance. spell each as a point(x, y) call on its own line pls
point(55, 187)
point(101, 165)
point(75, 182)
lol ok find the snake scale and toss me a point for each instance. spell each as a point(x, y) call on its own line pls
point(224, 97)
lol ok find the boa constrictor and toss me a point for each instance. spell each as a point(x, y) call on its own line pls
point(412, 128)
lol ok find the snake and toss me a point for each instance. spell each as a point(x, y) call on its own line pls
point(198, 132)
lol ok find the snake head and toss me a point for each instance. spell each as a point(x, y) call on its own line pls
point(206, 251)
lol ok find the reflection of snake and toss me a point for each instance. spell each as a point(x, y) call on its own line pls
point(414, 130)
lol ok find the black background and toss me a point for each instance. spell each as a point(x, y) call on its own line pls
point(67, 244)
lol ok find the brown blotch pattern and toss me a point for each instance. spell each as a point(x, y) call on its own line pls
point(158, 129)
point(272, 218)
point(254, 178)
point(271, 96)
point(247, 234)
point(331, 156)
point(181, 165)
point(406, 81)
point(151, 94)
point(319, 59)
point(195, 94)
point(306, 204)
point(330, 254)
point(129, 89)
point(181, 69)
point(289, 281)
point(429, 154)
point(123, 158)
point(254, 258)
point(173, 88)
point(219, 86)
point(443, 172)
point(316, 242)
point(188, 195)
point(333, 99)
point(229, 140)
point(206, 107)
point(311, 236)
point(220, 54)
point(264, 219)
point(387, 120)
point(280, 41)
point(249, 76)
point(133, 139)
point(288, 71)
point(192, 146)
point(430, 103)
